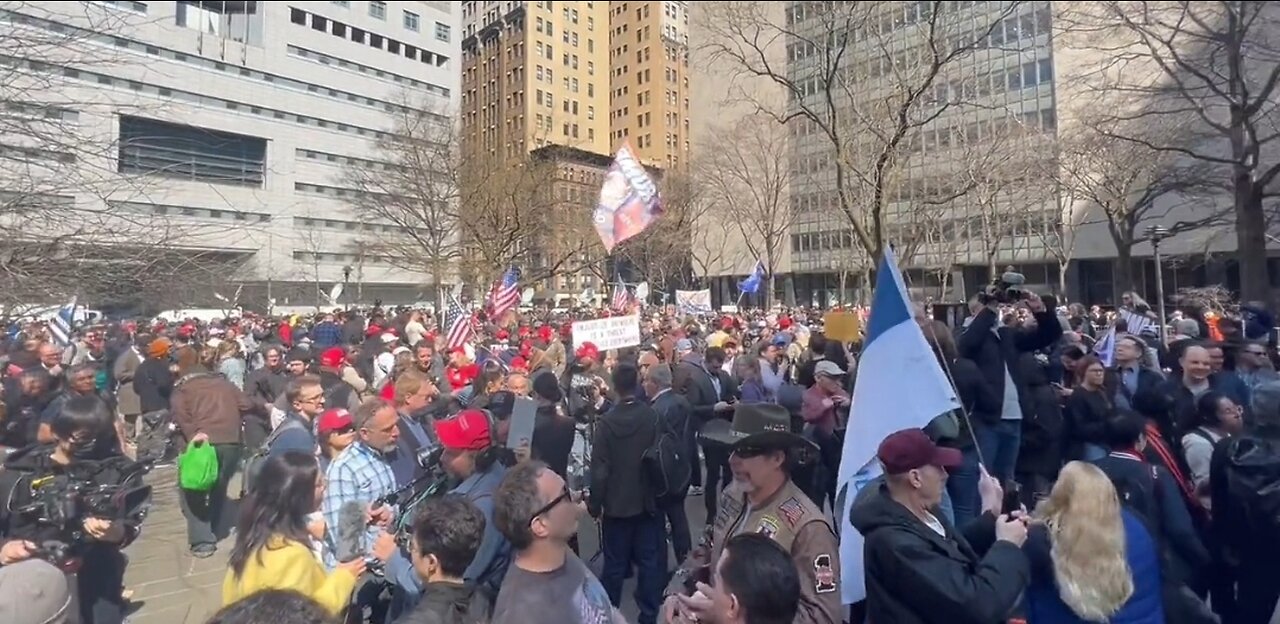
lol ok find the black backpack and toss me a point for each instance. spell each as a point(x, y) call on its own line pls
point(253, 465)
point(667, 464)
point(1253, 486)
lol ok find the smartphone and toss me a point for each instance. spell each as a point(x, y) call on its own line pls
point(1012, 498)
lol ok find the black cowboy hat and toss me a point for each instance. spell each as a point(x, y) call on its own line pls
point(761, 425)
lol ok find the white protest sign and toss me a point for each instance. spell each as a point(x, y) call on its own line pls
point(608, 333)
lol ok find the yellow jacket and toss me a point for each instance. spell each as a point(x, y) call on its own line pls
point(293, 566)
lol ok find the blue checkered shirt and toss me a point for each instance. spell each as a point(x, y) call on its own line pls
point(325, 335)
point(359, 474)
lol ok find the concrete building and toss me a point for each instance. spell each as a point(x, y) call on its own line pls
point(232, 122)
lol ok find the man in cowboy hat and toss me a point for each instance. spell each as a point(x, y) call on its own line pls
point(763, 499)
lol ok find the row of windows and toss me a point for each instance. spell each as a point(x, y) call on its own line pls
point(1034, 20)
point(136, 7)
point(359, 35)
point(328, 257)
point(995, 82)
point(325, 59)
point(194, 98)
point(350, 226)
point(196, 212)
point(149, 146)
point(28, 154)
point(349, 161)
point(227, 68)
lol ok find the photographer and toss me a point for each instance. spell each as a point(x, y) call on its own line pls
point(39, 484)
point(996, 350)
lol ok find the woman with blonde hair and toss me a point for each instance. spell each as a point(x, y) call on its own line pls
point(1091, 559)
point(227, 361)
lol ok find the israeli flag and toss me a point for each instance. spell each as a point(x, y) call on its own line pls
point(900, 385)
point(1106, 348)
point(753, 281)
point(63, 323)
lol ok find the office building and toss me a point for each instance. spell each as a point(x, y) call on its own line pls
point(231, 122)
point(649, 80)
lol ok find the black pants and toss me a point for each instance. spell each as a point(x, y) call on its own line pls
point(1258, 589)
point(681, 538)
point(207, 513)
point(637, 541)
point(99, 584)
point(718, 476)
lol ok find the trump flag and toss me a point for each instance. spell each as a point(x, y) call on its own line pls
point(629, 200)
point(900, 385)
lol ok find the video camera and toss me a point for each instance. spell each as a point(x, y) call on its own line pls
point(63, 502)
point(1008, 288)
point(433, 481)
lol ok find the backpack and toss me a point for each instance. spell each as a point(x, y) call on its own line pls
point(1253, 486)
point(666, 463)
point(253, 465)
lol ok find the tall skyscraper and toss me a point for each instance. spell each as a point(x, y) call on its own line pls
point(649, 80)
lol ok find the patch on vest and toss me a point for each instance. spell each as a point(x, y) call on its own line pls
point(792, 510)
point(768, 527)
point(824, 578)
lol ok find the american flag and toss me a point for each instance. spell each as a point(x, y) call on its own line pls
point(63, 323)
point(621, 297)
point(505, 294)
point(1137, 322)
point(458, 321)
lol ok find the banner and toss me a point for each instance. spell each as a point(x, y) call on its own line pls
point(693, 301)
point(608, 333)
point(842, 326)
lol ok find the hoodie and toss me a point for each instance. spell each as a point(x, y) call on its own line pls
point(622, 436)
point(914, 575)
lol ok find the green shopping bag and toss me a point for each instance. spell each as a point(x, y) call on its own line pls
point(198, 467)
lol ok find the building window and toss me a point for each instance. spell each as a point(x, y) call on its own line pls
point(591, 112)
point(591, 45)
point(342, 3)
point(172, 150)
point(411, 21)
point(591, 89)
point(442, 32)
point(378, 9)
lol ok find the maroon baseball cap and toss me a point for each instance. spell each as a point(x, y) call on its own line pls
point(910, 449)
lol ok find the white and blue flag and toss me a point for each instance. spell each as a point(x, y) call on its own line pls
point(900, 385)
point(63, 323)
point(1106, 348)
point(753, 281)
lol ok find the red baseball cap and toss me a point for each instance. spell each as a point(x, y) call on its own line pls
point(333, 357)
point(588, 351)
point(910, 449)
point(519, 363)
point(468, 431)
point(784, 323)
point(372, 330)
point(333, 420)
point(503, 334)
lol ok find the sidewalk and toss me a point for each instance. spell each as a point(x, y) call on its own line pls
point(169, 585)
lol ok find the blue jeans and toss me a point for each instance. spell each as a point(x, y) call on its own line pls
point(999, 443)
point(962, 488)
point(638, 540)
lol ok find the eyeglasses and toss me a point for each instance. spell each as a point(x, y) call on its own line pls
point(566, 495)
point(747, 452)
point(1261, 353)
point(344, 430)
point(319, 398)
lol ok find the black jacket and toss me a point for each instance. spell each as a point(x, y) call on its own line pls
point(1087, 414)
point(552, 439)
point(1042, 423)
point(975, 394)
point(675, 415)
point(995, 355)
point(1173, 525)
point(690, 378)
point(266, 385)
point(1148, 380)
point(153, 382)
point(1250, 460)
point(914, 575)
point(618, 485)
point(448, 603)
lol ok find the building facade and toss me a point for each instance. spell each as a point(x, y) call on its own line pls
point(231, 122)
point(649, 80)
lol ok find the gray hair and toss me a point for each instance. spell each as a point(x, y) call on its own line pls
point(368, 409)
point(1188, 328)
point(1266, 404)
point(660, 376)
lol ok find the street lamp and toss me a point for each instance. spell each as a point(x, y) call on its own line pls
point(1158, 233)
point(346, 278)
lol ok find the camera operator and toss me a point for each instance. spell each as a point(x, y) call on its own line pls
point(996, 350)
point(586, 392)
point(84, 451)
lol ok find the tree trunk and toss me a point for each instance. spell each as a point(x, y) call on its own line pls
point(1122, 273)
point(1251, 242)
point(1062, 279)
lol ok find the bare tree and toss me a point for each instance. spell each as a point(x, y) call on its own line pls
point(664, 252)
point(746, 173)
point(870, 109)
point(1128, 186)
point(1210, 68)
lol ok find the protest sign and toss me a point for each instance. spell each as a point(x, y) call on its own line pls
point(608, 333)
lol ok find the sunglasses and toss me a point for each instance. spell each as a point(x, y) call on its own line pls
point(747, 452)
point(566, 495)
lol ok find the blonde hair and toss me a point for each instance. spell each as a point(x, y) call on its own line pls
point(1086, 534)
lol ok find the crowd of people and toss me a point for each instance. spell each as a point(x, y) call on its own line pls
point(1093, 474)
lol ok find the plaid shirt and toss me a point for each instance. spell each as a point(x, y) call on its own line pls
point(359, 474)
point(326, 335)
